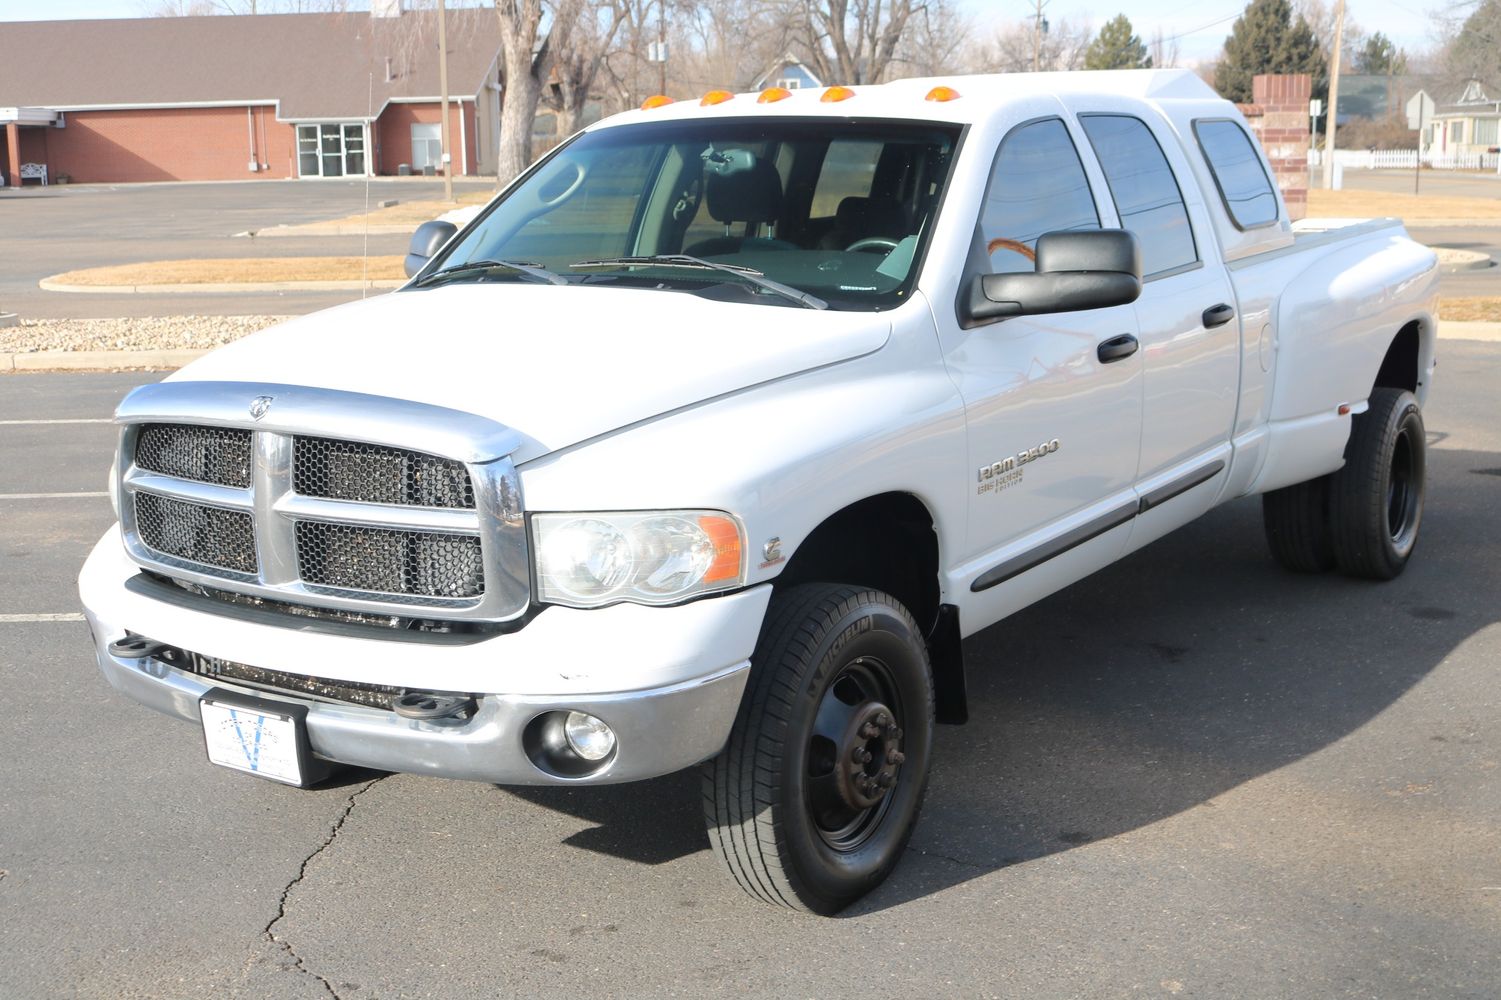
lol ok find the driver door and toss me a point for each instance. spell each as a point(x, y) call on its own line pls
point(1054, 433)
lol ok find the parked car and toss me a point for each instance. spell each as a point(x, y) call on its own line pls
point(708, 440)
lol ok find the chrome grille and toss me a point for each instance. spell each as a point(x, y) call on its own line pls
point(203, 454)
point(420, 516)
point(368, 473)
point(197, 533)
point(421, 563)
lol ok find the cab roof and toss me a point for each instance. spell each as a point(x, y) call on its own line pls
point(978, 97)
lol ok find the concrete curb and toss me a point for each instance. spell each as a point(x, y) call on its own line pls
point(1452, 261)
point(39, 361)
point(45, 361)
point(318, 229)
point(216, 288)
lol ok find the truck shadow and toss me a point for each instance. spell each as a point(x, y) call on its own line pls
point(1179, 673)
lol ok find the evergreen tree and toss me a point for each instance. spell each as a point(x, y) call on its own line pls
point(1266, 39)
point(1379, 57)
point(1475, 52)
point(1115, 47)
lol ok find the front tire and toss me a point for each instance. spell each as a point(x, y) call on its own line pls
point(1376, 500)
point(817, 791)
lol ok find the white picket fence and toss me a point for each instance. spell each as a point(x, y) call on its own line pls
point(1400, 159)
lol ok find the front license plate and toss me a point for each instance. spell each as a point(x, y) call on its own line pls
point(260, 737)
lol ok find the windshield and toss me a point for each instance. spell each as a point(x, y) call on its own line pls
point(836, 209)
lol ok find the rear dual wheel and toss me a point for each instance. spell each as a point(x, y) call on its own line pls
point(1365, 517)
point(817, 791)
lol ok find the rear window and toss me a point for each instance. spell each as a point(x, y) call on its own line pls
point(1243, 184)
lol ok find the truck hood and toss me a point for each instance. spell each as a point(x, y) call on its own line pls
point(557, 364)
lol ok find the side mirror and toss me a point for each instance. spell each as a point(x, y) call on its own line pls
point(1086, 269)
point(426, 241)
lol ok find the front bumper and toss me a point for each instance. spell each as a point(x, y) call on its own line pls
point(668, 681)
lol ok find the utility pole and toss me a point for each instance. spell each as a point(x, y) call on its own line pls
point(443, 138)
point(1039, 28)
point(1329, 125)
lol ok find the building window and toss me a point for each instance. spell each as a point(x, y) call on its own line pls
point(1485, 131)
point(331, 150)
point(789, 83)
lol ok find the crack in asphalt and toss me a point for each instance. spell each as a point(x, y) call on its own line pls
point(281, 906)
point(952, 860)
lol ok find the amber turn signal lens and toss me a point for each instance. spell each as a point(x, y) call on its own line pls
point(836, 94)
point(773, 94)
point(726, 538)
point(942, 94)
point(655, 101)
point(715, 97)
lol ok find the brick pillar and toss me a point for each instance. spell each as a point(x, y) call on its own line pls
point(1279, 117)
point(13, 154)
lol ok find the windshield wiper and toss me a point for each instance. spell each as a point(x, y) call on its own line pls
point(746, 274)
point(531, 270)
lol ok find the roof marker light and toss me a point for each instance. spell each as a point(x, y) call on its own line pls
point(715, 97)
point(773, 94)
point(655, 101)
point(942, 94)
point(836, 94)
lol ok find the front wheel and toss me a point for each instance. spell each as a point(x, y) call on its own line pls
point(817, 791)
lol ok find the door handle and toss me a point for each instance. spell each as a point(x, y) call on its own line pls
point(1117, 348)
point(1218, 315)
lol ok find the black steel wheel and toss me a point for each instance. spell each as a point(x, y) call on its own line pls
point(1376, 500)
point(815, 796)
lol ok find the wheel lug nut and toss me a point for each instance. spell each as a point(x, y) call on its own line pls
point(882, 719)
point(886, 780)
point(895, 757)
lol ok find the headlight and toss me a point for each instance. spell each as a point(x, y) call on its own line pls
point(656, 557)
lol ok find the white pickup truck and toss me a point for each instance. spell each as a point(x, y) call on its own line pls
point(711, 437)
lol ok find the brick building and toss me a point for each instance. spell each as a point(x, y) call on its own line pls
point(231, 98)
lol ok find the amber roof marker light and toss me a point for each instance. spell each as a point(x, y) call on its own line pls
point(655, 101)
point(834, 94)
point(715, 97)
point(773, 94)
point(942, 94)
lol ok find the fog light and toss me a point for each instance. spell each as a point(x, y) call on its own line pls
point(589, 737)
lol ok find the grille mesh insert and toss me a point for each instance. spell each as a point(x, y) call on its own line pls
point(354, 692)
point(367, 473)
point(218, 455)
point(198, 533)
point(382, 560)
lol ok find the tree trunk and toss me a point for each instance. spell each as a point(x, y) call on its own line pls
point(519, 20)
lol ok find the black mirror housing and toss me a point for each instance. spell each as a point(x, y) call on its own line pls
point(1076, 270)
point(426, 241)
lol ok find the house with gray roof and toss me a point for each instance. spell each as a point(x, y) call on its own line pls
point(236, 97)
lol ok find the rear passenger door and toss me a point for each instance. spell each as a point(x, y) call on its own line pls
point(1189, 331)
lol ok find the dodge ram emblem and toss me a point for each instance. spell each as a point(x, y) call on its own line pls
point(259, 405)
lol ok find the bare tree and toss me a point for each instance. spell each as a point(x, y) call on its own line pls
point(854, 41)
point(729, 43)
point(525, 59)
point(1164, 50)
point(582, 36)
point(934, 42)
point(1060, 48)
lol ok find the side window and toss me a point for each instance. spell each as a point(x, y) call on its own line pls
point(1037, 186)
point(1145, 191)
point(1238, 173)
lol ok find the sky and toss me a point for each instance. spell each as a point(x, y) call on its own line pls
point(1201, 24)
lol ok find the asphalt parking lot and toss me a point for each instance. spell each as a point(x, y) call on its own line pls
point(1191, 775)
point(50, 230)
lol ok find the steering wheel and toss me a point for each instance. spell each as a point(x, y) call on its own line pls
point(882, 244)
point(1015, 246)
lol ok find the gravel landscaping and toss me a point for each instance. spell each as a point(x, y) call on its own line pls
point(141, 334)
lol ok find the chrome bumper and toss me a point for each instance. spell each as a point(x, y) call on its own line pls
point(658, 731)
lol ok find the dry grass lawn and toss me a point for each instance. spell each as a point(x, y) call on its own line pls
point(412, 213)
point(1487, 310)
point(234, 271)
point(1414, 210)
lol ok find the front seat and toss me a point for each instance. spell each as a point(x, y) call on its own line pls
point(745, 189)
